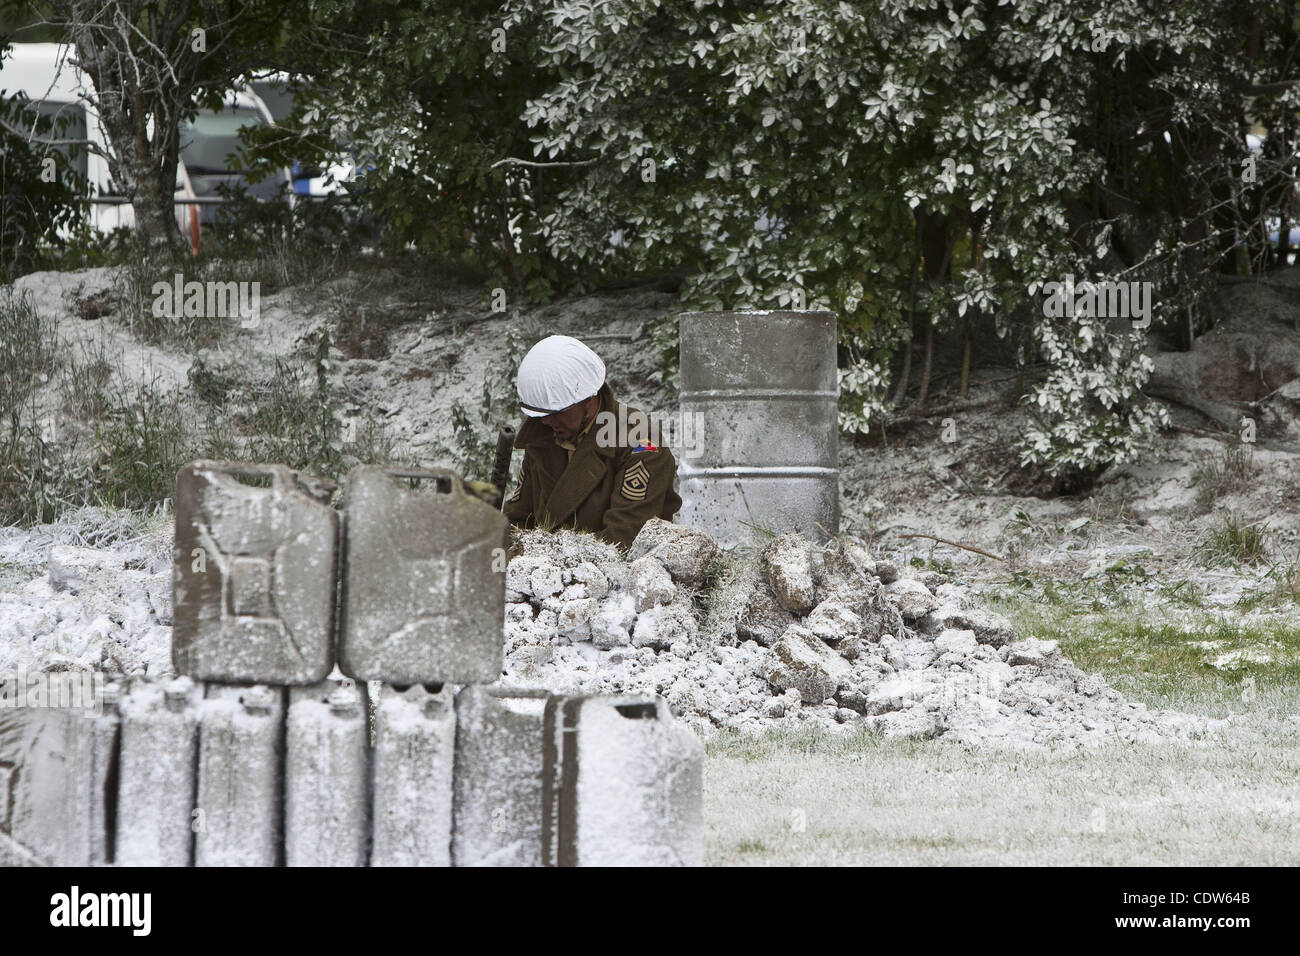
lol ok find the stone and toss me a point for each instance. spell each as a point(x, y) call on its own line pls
point(911, 598)
point(758, 615)
point(661, 627)
point(989, 627)
point(880, 618)
point(617, 573)
point(852, 698)
point(845, 576)
point(789, 573)
point(887, 572)
point(519, 573)
point(545, 581)
point(651, 584)
point(156, 779)
point(253, 576)
point(622, 784)
point(896, 693)
point(497, 789)
point(414, 757)
point(834, 622)
point(931, 579)
point(72, 569)
point(588, 582)
point(804, 663)
point(423, 601)
point(610, 625)
point(851, 649)
point(912, 724)
point(956, 642)
point(574, 615)
point(327, 776)
point(240, 798)
point(1031, 651)
point(685, 552)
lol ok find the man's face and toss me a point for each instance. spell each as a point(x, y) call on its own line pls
point(566, 424)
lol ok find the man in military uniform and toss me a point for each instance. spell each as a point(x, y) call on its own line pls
point(589, 461)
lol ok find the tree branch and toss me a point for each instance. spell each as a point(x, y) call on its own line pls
point(511, 161)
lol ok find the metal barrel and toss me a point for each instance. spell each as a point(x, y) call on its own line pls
point(759, 412)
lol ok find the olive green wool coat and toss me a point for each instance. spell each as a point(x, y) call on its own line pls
point(610, 491)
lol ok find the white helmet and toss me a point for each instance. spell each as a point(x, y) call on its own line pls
point(557, 372)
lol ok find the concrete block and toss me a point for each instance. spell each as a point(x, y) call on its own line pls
point(327, 776)
point(415, 739)
point(240, 800)
point(158, 773)
point(254, 575)
point(56, 767)
point(423, 585)
point(497, 818)
point(622, 784)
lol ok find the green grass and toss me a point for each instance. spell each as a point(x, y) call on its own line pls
point(1235, 543)
point(1163, 651)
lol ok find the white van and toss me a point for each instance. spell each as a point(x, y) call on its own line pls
point(45, 74)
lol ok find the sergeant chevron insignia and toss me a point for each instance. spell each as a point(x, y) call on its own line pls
point(636, 481)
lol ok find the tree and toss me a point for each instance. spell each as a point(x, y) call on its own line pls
point(152, 63)
point(427, 97)
point(907, 163)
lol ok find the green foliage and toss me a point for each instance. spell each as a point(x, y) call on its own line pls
point(1236, 543)
point(143, 441)
point(428, 100)
point(36, 215)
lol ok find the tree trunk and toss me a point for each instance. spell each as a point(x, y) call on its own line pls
point(131, 98)
point(925, 368)
point(900, 392)
point(965, 364)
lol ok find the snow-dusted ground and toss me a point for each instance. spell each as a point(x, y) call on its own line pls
point(1224, 797)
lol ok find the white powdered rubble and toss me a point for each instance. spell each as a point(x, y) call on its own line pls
point(834, 638)
point(789, 636)
point(92, 590)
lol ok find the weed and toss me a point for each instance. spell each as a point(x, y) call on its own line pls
point(28, 348)
point(1235, 543)
point(142, 443)
point(1231, 473)
point(85, 382)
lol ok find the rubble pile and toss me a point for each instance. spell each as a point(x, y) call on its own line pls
point(791, 634)
point(745, 640)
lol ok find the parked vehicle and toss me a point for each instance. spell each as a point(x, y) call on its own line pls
point(45, 75)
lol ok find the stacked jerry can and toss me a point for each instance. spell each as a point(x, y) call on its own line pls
point(263, 753)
